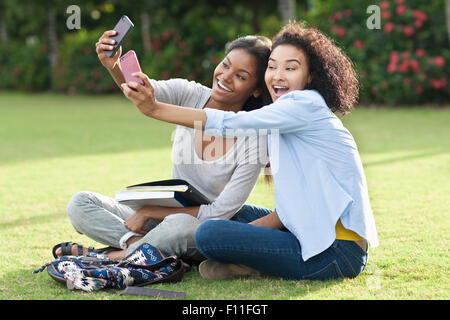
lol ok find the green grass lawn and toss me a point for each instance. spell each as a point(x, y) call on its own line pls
point(53, 146)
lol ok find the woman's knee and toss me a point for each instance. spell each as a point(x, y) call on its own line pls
point(180, 225)
point(207, 232)
point(76, 204)
point(175, 234)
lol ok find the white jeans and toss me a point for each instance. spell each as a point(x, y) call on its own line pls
point(101, 218)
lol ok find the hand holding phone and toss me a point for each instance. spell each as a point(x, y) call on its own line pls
point(122, 28)
point(104, 43)
point(129, 64)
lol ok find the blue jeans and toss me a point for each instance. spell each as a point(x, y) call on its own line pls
point(275, 252)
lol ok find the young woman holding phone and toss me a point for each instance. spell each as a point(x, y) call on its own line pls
point(323, 221)
point(223, 169)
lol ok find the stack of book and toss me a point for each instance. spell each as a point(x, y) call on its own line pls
point(166, 193)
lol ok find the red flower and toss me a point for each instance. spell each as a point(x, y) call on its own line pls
point(374, 90)
point(338, 30)
point(384, 5)
point(404, 67)
point(420, 53)
point(414, 65)
point(417, 88)
point(400, 9)
point(439, 61)
point(408, 31)
point(420, 15)
point(393, 57)
point(439, 84)
point(399, 1)
point(386, 15)
point(391, 68)
point(418, 23)
point(358, 44)
point(388, 27)
point(338, 15)
point(348, 12)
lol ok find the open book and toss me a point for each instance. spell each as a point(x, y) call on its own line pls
point(165, 193)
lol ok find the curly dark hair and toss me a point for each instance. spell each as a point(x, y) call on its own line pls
point(332, 71)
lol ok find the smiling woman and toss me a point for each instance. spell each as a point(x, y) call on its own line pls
point(287, 70)
point(218, 167)
point(323, 221)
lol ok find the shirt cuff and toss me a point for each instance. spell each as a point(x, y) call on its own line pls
point(214, 121)
point(125, 237)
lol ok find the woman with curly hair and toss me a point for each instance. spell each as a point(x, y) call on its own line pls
point(323, 221)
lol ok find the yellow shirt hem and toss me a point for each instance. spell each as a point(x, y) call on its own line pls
point(345, 234)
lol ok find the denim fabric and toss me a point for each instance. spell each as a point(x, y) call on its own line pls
point(275, 252)
point(317, 170)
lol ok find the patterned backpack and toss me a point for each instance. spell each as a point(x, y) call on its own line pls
point(93, 272)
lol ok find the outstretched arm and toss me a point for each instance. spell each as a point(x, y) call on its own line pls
point(144, 98)
point(290, 113)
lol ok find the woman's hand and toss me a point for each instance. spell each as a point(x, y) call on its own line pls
point(142, 96)
point(136, 222)
point(271, 221)
point(105, 43)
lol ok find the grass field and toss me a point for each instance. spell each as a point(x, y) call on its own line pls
point(53, 146)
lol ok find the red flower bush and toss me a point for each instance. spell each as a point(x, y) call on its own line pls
point(406, 60)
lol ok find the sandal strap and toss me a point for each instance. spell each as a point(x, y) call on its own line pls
point(66, 248)
point(80, 249)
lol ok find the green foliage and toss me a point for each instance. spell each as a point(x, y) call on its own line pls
point(79, 69)
point(24, 67)
point(406, 60)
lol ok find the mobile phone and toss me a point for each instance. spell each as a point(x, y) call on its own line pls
point(129, 64)
point(123, 27)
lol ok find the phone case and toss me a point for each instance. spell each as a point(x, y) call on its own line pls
point(123, 27)
point(129, 64)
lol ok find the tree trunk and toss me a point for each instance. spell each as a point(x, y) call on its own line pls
point(447, 2)
point(52, 45)
point(3, 32)
point(145, 30)
point(287, 10)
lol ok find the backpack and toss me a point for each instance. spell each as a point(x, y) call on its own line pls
point(94, 272)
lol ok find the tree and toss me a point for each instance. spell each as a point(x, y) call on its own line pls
point(287, 10)
point(447, 2)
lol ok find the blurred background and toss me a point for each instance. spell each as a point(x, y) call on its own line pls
point(400, 47)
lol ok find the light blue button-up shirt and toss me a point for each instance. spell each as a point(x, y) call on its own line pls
point(317, 172)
